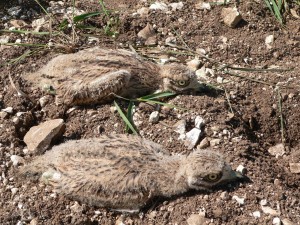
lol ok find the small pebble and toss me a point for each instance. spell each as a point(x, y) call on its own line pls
point(239, 200)
point(276, 221)
point(176, 5)
point(154, 117)
point(269, 41)
point(269, 210)
point(192, 137)
point(241, 169)
point(215, 142)
point(14, 191)
point(294, 167)
point(277, 150)
point(263, 202)
point(16, 159)
point(8, 110)
point(256, 214)
point(159, 6)
point(199, 122)
point(180, 127)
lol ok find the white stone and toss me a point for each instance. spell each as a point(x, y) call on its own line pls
point(14, 191)
point(294, 167)
point(263, 202)
point(159, 6)
point(269, 210)
point(269, 41)
point(192, 137)
point(176, 5)
point(241, 169)
point(277, 150)
point(203, 5)
point(16, 159)
point(276, 221)
point(199, 122)
point(180, 127)
point(4, 39)
point(239, 200)
point(256, 214)
point(154, 117)
point(220, 80)
point(8, 110)
point(215, 142)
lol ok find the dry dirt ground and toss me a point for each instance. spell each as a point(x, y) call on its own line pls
point(244, 137)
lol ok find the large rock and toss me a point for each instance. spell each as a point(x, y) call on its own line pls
point(39, 138)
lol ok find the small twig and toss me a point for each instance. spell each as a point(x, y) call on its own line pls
point(181, 39)
point(228, 100)
point(281, 115)
point(19, 91)
point(248, 78)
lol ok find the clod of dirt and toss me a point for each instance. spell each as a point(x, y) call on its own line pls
point(39, 138)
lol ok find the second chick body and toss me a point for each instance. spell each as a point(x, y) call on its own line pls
point(124, 172)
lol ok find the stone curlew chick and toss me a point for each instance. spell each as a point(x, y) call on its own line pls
point(125, 172)
point(90, 76)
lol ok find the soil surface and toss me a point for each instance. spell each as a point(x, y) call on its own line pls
point(253, 112)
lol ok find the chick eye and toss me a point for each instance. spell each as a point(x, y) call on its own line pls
point(182, 83)
point(213, 177)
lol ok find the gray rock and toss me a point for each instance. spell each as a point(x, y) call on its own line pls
point(39, 138)
point(180, 127)
point(192, 137)
point(154, 117)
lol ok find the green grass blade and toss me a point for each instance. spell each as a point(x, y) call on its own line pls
point(125, 119)
point(24, 44)
point(129, 114)
point(27, 32)
point(84, 16)
point(276, 11)
point(45, 11)
point(106, 12)
point(158, 95)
